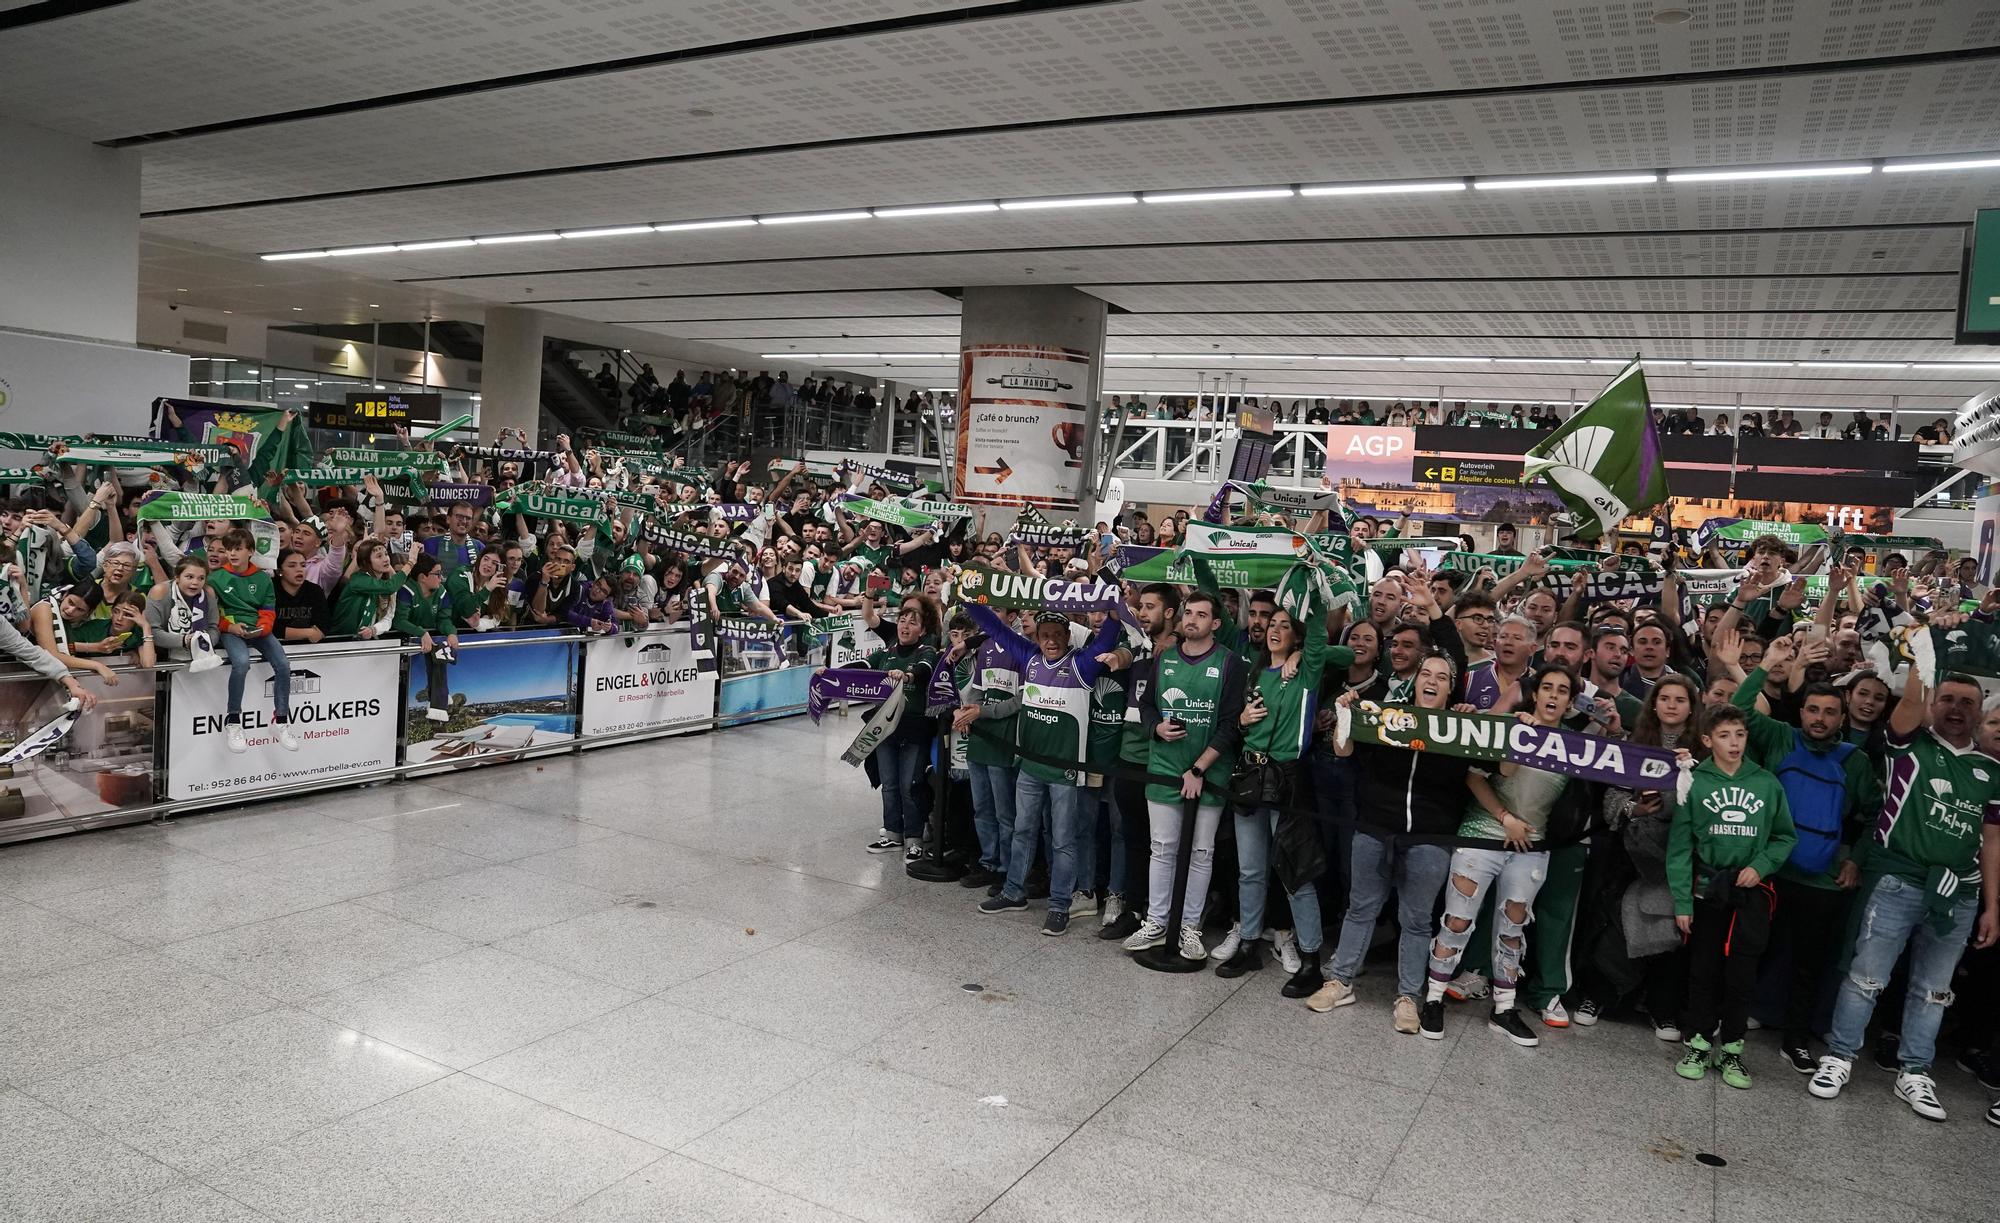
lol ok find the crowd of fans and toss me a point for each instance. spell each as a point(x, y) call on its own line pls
point(1816, 870)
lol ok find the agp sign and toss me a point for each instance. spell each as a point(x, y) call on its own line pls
point(1373, 454)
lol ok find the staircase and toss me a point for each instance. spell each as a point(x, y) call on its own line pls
point(569, 395)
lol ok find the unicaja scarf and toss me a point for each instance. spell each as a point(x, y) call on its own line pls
point(1500, 738)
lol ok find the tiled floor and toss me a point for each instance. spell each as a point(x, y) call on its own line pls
point(662, 982)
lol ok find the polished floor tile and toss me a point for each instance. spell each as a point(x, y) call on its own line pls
point(466, 1008)
point(813, 995)
point(211, 1097)
point(680, 1190)
point(492, 903)
point(663, 982)
point(56, 1167)
point(658, 1072)
point(37, 941)
point(63, 1020)
point(879, 1145)
point(455, 1151)
point(302, 954)
point(639, 946)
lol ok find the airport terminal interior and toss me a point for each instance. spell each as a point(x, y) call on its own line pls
point(925, 610)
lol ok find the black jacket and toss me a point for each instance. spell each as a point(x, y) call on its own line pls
point(1405, 791)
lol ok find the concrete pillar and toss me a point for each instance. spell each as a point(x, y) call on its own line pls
point(69, 236)
point(1027, 420)
point(510, 375)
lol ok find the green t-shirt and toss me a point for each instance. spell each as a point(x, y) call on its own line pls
point(1190, 692)
point(1135, 747)
point(243, 595)
point(1936, 800)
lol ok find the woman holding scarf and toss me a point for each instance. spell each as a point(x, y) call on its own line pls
point(908, 659)
point(367, 603)
point(1277, 723)
point(1400, 792)
point(1512, 805)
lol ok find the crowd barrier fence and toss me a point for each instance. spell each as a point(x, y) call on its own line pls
point(155, 744)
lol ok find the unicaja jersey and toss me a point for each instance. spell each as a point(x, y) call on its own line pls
point(997, 682)
point(1054, 721)
point(1936, 800)
point(1188, 691)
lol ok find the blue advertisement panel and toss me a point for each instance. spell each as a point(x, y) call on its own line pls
point(758, 695)
point(495, 703)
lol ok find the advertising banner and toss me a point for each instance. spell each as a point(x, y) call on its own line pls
point(1021, 433)
point(104, 763)
point(1985, 547)
point(653, 681)
point(499, 702)
point(1370, 454)
point(343, 709)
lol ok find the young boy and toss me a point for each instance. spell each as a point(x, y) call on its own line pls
point(1731, 833)
point(248, 609)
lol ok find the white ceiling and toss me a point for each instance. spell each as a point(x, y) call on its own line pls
point(353, 122)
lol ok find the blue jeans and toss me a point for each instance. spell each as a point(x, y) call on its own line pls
point(1253, 873)
point(1418, 871)
point(1033, 797)
point(1892, 915)
point(1116, 831)
point(237, 649)
point(1515, 878)
point(993, 812)
point(899, 764)
point(1089, 809)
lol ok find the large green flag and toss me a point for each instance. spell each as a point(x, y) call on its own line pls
point(1605, 462)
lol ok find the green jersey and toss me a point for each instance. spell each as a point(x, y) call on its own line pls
point(1936, 799)
point(363, 601)
point(246, 598)
point(1728, 822)
point(1195, 693)
point(1107, 721)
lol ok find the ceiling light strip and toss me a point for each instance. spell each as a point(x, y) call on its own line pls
point(1204, 195)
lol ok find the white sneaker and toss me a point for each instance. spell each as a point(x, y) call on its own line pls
point(1191, 948)
point(1285, 945)
point(437, 715)
point(1082, 904)
point(1919, 1092)
point(1672, 1032)
point(1466, 986)
point(1831, 1076)
point(1114, 908)
point(1231, 943)
point(1149, 934)
point(234, 739)
point(883, 842)
point(288, 738)
point(1555, 1015)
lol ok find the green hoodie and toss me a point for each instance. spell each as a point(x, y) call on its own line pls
point(1727, 823)
point(360, 603)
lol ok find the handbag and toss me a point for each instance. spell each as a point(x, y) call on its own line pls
point(1260, 781)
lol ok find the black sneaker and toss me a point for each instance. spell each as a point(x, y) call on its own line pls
point(994, 888)
point(1248, 958)
point(1001, 904)
point(1510, 1024)
point(980, 877)
point(1430, 1020)
point(1124, 927)
point(1888, 1047)
point(1981, 1064)
point(1055, 925)
point(1798, 1052)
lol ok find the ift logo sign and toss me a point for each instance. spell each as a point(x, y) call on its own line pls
point(6, 392)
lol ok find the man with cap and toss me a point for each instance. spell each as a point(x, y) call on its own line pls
point(635, 594)
point(1053, 726)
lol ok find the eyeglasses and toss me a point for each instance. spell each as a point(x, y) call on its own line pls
point(1480, 618)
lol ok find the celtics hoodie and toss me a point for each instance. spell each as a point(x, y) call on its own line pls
point(1725, 824)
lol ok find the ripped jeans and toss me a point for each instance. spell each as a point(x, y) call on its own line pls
point(1892, 914)
point(1520, 877)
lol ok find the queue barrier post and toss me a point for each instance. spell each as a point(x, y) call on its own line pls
point(1167, 956)
point(932, 867)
